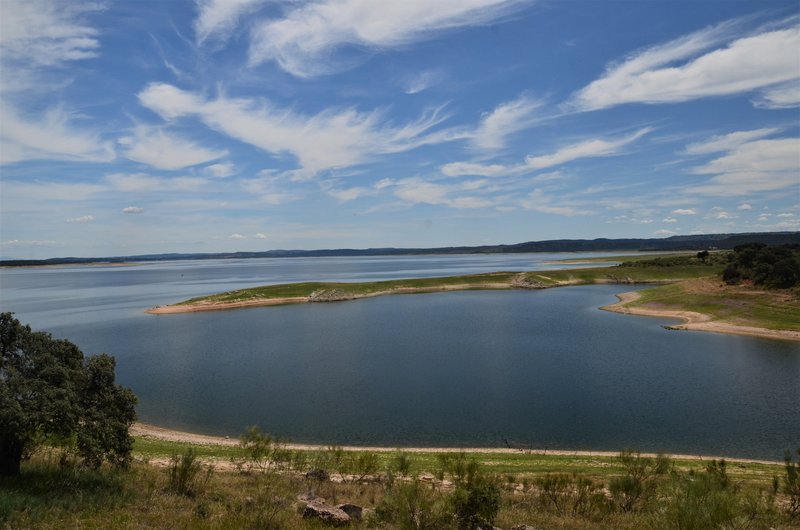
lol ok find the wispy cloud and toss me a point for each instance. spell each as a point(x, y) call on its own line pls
point(685, 211)
point(505, 120)
point(217, 19)
point(304, 41)
point(655, 75)
point(538, 201)
point(81, 219)
point(782, 96)
point(143, 183)
point(51, 136)
point(752, 167)
point(46, 32)
point(162, 150)
point(419, 191)
point(727, 142)
point(422, 81)
point(133, 210)
point(598, 147)
point(330, 139)
point(221, 170)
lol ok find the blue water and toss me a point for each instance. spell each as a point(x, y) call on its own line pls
point(536, 368)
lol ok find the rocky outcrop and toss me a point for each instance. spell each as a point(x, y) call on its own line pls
point(354, 511)
point(332, 515)
point(523, 281)
point(330, 295)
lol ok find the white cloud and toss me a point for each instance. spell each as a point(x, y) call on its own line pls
point(727, 142)
point(142, 183)
point(221, 170)
point(15, 191)
point(304, 41)
point(330, 139)
point(133, 210)
point(684, 211)
point(456, 169)
point(218, 18)
point(270, 189)
point(782, 96)
point(505, 120)
point(161, 150)
point(237, 236)
point(539, 202)
point(422, 81)
point(45, 32)
point(81, 219)
point(418, 191)
point(347, 194)
point(744, 206)
point(669, 220)
point(260, 236)
point(597, 147)
point(48, 137)
point(652, 76)
point(762, 165)
point(785, 215)
point(663, 233)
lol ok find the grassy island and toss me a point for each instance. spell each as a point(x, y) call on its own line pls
point(691, 289)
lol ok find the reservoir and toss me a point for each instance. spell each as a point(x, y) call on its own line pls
point(541, 369)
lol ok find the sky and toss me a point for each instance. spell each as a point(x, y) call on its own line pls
point(133, 127)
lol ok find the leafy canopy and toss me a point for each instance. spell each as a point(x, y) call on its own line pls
point(50, 393)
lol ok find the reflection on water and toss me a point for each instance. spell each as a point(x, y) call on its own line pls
point(541, 368)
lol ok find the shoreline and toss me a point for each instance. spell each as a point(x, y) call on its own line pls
point(693, 321)
point(146, 430)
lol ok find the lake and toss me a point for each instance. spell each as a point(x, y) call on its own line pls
point(544, 369)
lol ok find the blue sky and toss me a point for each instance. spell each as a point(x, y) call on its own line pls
point(142, 127)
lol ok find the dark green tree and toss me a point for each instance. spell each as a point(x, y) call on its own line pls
point(49, 392)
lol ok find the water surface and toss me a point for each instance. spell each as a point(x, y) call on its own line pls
point(537, 368)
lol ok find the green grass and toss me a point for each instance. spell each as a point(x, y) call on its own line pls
point(47, 496)
point(759, 308)
point(293, 290)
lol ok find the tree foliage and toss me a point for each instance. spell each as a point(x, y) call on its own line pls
point(50, 392)
point(770, 266)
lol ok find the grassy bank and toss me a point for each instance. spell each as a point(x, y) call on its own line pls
point(164, 489)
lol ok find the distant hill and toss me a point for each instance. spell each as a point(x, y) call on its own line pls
point(673, 243)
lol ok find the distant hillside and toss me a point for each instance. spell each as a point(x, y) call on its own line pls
point(674, 243)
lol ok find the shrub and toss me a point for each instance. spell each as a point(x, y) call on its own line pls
point(414, 505)
point(791, 485)
point(571, 495)
point(475, 500)
point(638, 483)
point(186, 474)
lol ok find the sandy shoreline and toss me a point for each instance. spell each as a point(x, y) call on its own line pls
point(696, 321)
point(144, 430)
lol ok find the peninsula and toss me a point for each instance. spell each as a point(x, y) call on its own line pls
point(689, 288)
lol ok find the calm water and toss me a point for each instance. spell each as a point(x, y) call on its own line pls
point(541, 368)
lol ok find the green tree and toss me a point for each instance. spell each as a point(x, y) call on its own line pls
point(49, 392)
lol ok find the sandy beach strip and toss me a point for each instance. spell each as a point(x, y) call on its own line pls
point(696, 321)
point(258, 302)
point(145, 430)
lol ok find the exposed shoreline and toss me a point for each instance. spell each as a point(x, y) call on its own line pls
point(694, 321)
point(145, 430)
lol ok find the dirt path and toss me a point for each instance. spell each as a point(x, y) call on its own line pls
point(696, 321)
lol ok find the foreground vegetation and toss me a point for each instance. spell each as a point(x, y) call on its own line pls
point(261, 484)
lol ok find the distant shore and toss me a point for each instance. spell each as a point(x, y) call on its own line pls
point(145, 430)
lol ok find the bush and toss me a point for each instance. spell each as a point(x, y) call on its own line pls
point(571, 495)
point(638, 483)
point(186, 474)
point(414, 505)
point(791, 485)
point(476, 498)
